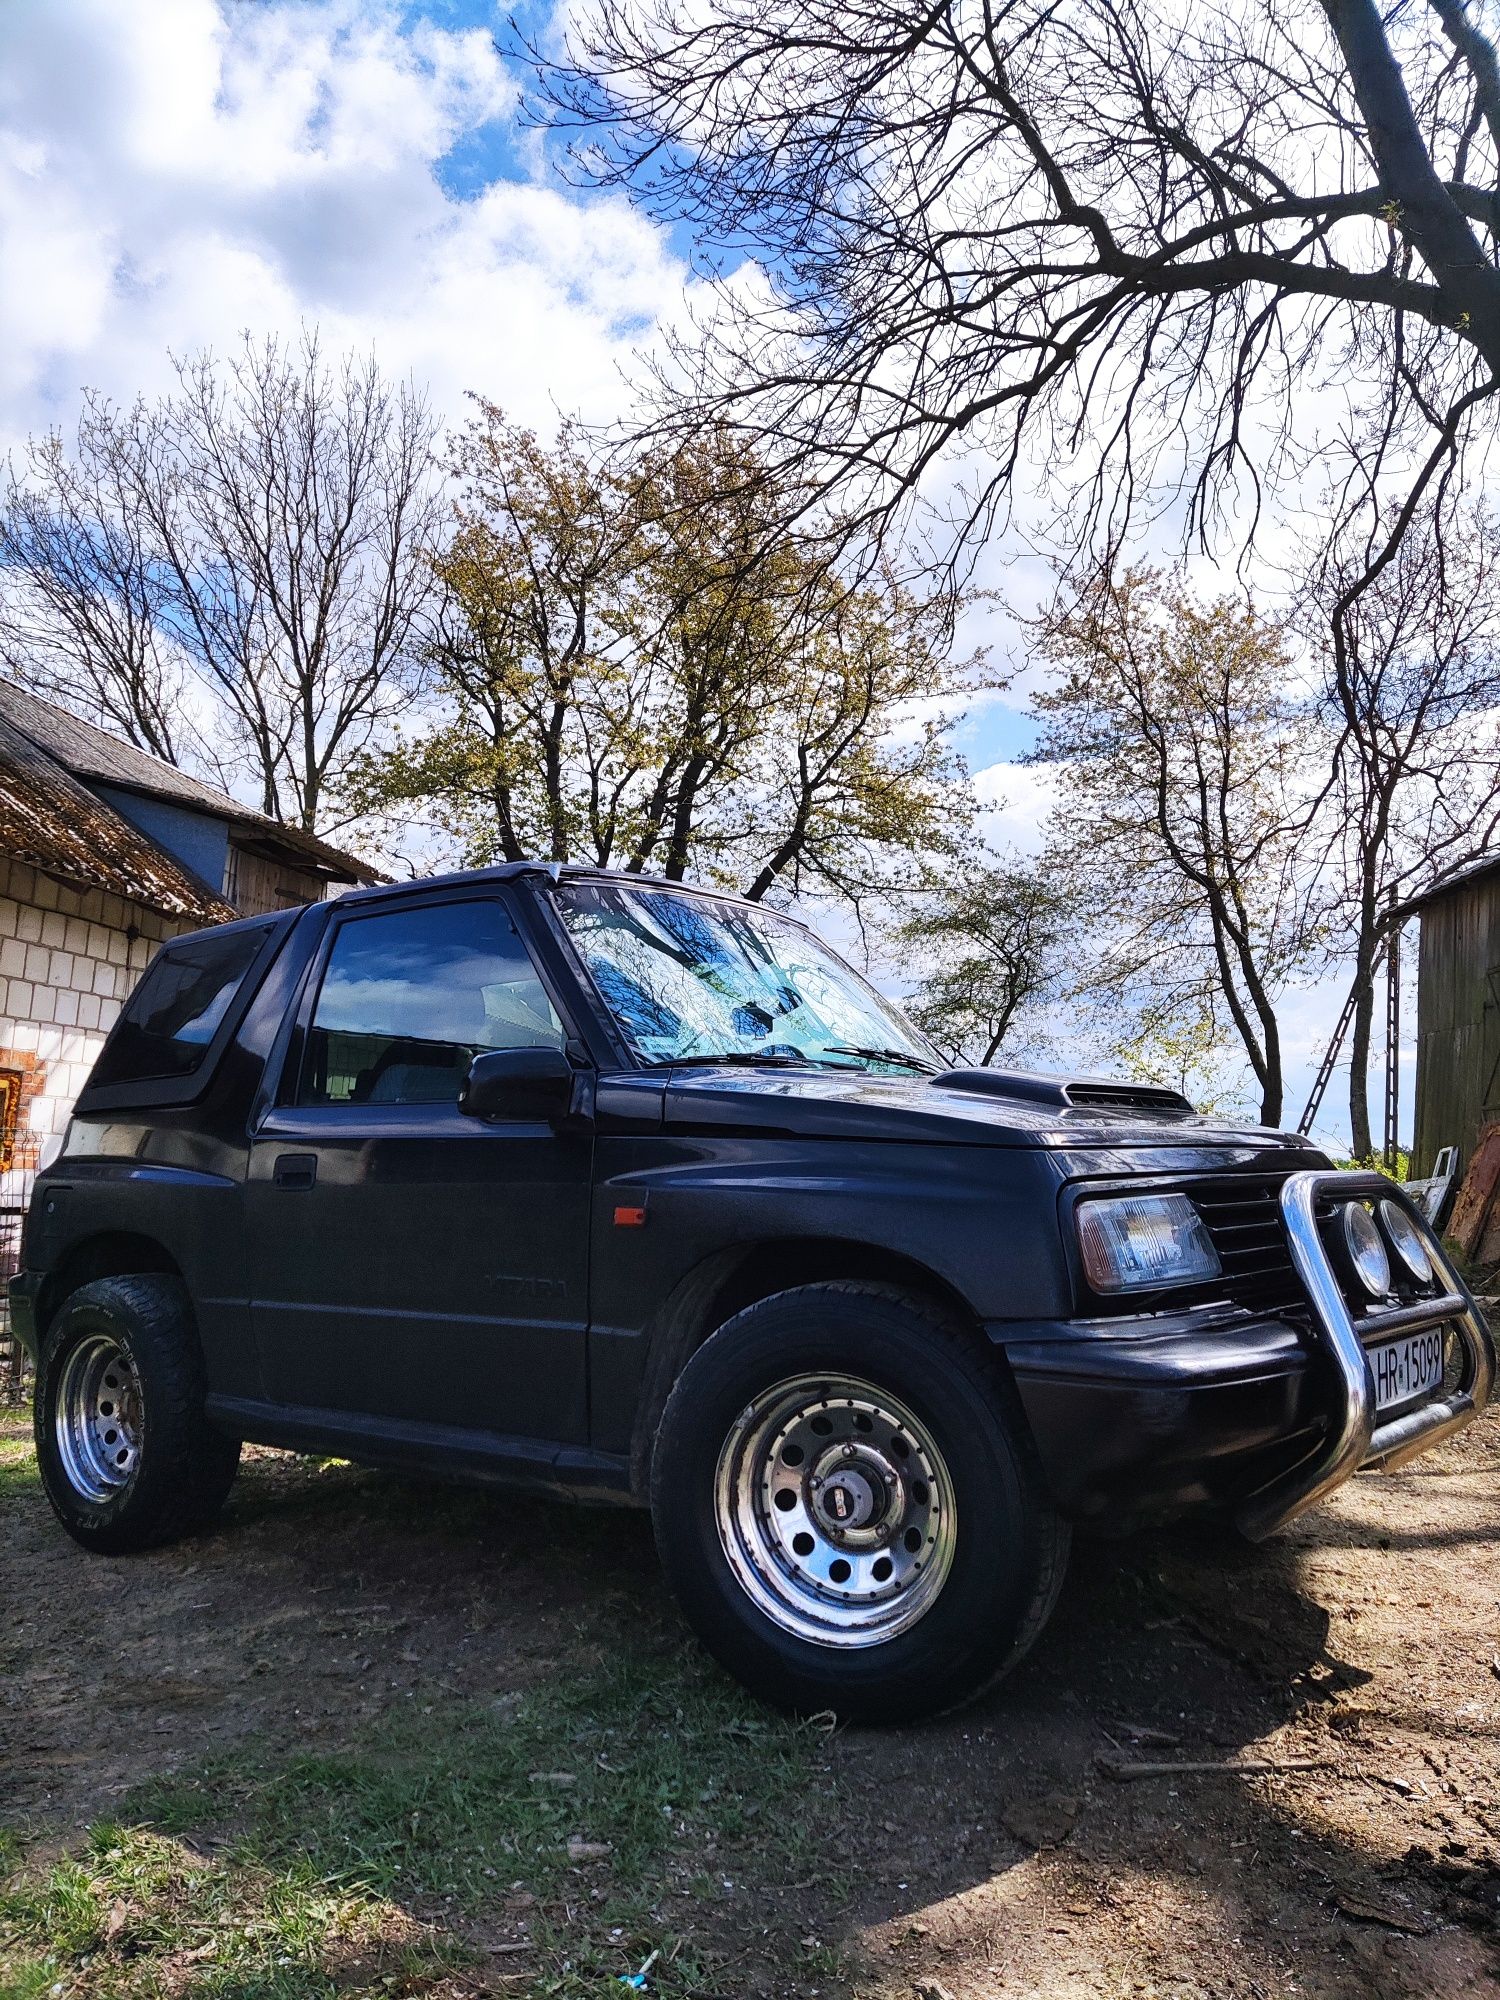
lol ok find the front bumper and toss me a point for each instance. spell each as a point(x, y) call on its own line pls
point(1140, 1420)
point(1355, 1435)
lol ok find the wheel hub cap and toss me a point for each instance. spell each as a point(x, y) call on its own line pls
point(835, 1510)
point(851, 1493)
point(98, 1421)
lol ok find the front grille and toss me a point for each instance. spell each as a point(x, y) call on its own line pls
point(1242, 1213)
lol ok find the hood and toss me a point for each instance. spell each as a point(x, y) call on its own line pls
point(962, 1107)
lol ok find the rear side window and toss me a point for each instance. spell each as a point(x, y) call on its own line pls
point(171, 1019)
point(410, 997)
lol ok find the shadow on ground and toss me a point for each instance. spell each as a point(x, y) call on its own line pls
point(340, 1618)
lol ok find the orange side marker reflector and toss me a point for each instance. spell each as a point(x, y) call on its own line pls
point(630, 1218)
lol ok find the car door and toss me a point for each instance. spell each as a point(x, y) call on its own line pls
point(409, 1262)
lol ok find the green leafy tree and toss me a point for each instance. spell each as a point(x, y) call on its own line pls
point(639, 668)
point(1183, 1046)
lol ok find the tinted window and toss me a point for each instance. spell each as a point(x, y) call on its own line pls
point(410, 997)
point(178, 1008)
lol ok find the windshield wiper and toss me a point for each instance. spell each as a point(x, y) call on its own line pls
point(746, 1058)
point(899, 1056)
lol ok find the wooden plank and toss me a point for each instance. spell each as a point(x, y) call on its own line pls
point(1477, 1192)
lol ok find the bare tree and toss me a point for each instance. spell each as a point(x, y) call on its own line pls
point(1112, 240)
point(1411, 700)
point(1186, 789)
point(987, 944)
point(82, 603)
point(264, 531)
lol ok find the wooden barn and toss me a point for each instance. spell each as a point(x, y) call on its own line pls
point(1458, 1015)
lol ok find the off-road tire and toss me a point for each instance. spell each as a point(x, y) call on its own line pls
point(1010, 1549)
point(183, 1467)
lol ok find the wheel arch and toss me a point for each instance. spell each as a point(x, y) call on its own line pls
point(110, 1253)
point(733, 1279)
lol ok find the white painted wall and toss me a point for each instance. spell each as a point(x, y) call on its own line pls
point(68, 959)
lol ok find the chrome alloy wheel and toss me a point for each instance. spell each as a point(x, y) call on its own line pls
point(835, 1510)
point(98, 1418)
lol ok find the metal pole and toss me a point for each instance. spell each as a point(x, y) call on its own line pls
point(1392, 1043)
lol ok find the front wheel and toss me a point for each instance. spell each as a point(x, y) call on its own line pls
point(848, 1507)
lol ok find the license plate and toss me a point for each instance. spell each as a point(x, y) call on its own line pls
point(1406, 1369)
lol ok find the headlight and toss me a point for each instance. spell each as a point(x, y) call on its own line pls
point(1365, 1250)
point(1134, 1242)
point(1405, 1239)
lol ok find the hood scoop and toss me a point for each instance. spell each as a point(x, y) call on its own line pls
point(1068, 1093)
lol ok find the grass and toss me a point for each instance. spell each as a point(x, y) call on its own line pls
point(17, 1456)
point(398, 1867)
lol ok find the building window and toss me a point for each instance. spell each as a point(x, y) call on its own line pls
point(12, 1082)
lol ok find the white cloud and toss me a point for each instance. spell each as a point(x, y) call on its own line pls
point(174, 173)
point(1015, 801)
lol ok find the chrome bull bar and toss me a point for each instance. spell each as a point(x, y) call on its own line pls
point(1355, 1437)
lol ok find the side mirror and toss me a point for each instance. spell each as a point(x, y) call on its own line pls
point(518, 1083)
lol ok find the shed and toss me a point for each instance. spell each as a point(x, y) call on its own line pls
point(105, 852)
point(241, 857)
point(1458, 1014)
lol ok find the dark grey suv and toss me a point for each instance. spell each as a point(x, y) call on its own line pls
point(635, 1192)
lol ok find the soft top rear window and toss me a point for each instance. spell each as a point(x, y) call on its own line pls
point(171, 1019)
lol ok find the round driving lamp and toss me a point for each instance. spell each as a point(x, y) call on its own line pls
point(1404, 1237)
point(1365, 1250)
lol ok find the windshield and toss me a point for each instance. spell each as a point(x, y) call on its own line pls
point(689, 979)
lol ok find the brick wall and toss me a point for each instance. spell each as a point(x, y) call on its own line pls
point(68, 958)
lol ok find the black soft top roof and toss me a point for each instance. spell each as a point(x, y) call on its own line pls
point(555, 871)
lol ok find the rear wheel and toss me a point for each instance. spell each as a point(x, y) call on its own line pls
point(848, 1508)
point(127, 1457)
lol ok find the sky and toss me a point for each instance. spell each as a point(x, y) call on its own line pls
point(176, 172)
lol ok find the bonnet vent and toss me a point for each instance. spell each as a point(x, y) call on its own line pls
point(1129, 1096)
point(1067, 1092)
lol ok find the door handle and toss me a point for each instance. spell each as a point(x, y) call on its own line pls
point(295, 1171)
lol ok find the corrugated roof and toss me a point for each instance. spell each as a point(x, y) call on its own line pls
point(93, 753)
point(1475, 872)
point(47, 818)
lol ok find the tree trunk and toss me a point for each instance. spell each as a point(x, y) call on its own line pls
point(1272, 1090)
point(1361, 1144)
point(786, 853)
point(684, 815)
point(1425, 212)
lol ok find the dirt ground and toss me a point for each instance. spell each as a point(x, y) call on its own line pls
point(1356, 1661)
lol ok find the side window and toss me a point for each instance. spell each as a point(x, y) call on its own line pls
point(410, 997)
point(178, 1008)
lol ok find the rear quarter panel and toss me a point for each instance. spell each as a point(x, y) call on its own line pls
point(173, 1177)
point(171, 1191)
